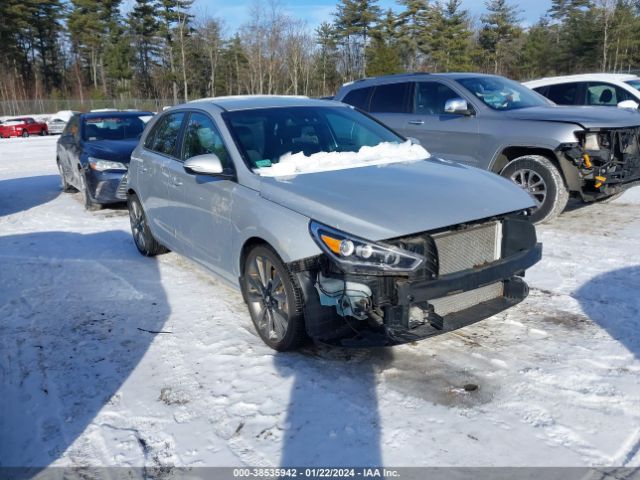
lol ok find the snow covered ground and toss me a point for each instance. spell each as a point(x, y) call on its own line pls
point(85, 382)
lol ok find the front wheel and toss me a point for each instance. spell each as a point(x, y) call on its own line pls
point(43, 132)
point(143, 238)
point(541, 179)
point(66, 186)
point(25, 134)
point(89, 204)
point(274, 299)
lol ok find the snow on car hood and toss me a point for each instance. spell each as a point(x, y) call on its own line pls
point(586, 117)
point(382, 154)
point(386, 201)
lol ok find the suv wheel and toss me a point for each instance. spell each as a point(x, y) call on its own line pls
point(142, 236)
point(540, 178)
point(274, 299)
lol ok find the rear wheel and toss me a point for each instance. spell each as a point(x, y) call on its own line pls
point(142, 236)
point(274, 299)
point(540, 178)
point(25, 134)
point(43, 132)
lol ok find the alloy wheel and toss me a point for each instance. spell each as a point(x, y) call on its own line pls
point(532, 183)
point(138, 224)
point(267, 298)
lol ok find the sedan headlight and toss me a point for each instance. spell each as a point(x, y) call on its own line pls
point(105, 165)
point(357, 255)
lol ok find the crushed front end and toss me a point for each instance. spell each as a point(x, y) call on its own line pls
point(421, 285)
point(608, 161)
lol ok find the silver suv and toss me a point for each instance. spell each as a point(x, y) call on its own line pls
point(332, 225)
point(499, 125)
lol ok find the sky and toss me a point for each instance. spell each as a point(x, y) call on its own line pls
point(235, 12)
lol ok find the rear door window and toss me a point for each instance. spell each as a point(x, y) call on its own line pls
point(164, 136)
point(391, 98)
point(359, 98)
point(564, 93)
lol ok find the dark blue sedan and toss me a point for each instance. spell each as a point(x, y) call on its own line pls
point(94, 150)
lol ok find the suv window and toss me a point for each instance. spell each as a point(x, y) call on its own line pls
point(431, 97)
point(564, 93)
point(164, 136)
point(201, 137)
point(359, 98)
point(605, 94)
point(390, 98)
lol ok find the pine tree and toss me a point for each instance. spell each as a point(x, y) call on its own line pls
point(499, 29)
point(143, 20)
point(450, 48)
point(383, 58)
point(413, 29)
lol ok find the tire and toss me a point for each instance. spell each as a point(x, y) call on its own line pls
point(274, 299)
point(543, 181)
point(145, 242)
point(43, 132)
point(24, 134)
point(66, 186)
point(89, 204)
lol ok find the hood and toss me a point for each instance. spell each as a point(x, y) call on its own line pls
point(586, 117)
point(115, 150)
point(383, 202)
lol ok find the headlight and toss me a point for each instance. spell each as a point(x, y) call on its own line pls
point(357, 255)
point(104, 165)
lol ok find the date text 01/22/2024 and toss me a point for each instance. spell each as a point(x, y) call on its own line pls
point(314, 473)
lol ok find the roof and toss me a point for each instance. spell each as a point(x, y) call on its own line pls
point(610, 77)
point(245, 102)
point(412, 75)
point(115, 113)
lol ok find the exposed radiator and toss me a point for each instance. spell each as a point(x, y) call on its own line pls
point(469, 248)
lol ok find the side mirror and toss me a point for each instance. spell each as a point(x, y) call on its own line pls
point(208, 164)
point(457, 106)
point(628, 104)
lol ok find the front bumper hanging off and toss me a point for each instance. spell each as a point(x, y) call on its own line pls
point(410, 308)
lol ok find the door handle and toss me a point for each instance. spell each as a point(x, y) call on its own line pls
point(177, 183)
point(144, 169)
point(416, 122)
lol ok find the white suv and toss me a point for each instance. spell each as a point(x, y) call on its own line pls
point(597, 89)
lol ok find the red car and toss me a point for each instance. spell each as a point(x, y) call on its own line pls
point(22, 127)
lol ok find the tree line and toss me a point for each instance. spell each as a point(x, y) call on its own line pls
point(86, 49)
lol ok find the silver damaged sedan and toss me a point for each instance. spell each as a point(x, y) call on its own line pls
point(333, 226)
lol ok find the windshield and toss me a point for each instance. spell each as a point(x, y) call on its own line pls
point(502, 94)
point(634, 83)
point(313, 139)
point(113, 127)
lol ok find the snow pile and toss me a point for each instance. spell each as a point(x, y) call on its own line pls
point(382, 154)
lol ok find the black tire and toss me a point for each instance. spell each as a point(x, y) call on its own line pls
point(89, 204)
point(66, 186)
point(24, 134)
point(543, 181)
point(143, 238)
point(270, 301)
point(43, 132)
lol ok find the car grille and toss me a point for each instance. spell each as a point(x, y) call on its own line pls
point(472, 247)
point(121, 191)
point(461, 301)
